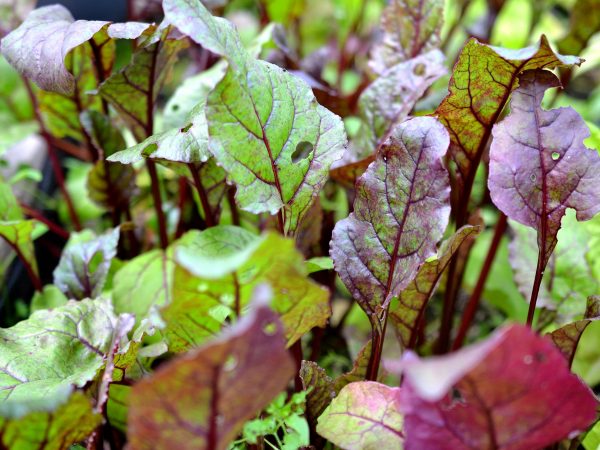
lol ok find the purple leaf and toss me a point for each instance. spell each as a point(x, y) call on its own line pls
point(400, 213)
point(365, 415)
point(202, 399)
point(513, 391)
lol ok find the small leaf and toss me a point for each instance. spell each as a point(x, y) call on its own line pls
point(512, 391)
point(318, 264)
point(69, 423)
point(406, 312)
point(567, 337)
point(400, 213)
point(84, 264)
point(364, 415)
point(53, 349)
point(319, 387)
point(411, 28)
point(203, 398)
point(526, 183)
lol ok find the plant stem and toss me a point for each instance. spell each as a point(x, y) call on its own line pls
point(34, 277)
point(208, 217)
point(377, 348)
point(160, 214)
point(55, 228)
point(537, 282)
point(475, 298)
point(235, 214)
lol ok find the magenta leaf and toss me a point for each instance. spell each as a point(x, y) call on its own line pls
point(513, 391)
point(202, 399)
point(365, 415)
point(400, 213)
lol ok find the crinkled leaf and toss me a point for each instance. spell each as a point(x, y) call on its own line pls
point(134, 89)
point(224, 265)
point(482, 81)
point(84, 263)
point(400, 213)
point(567, 337)
point(512, 391)
point(203, 398)
point(14, 229)
point(569, 278)
point(143, 282)
point(585, 22)
point(321, 390)
point(284, 140)
point(390, 98)
point(364, 415)
point(406, 311)
point(69, 423)
point(539, 165)
point(410, 28)
point(52, 349)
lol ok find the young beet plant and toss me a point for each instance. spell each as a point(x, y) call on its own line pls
point(214, 301)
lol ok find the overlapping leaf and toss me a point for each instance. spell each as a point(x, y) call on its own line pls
point(221, 267)
point(481, 84)
point(406, 312)
point(512, 391)
point(52, 350)
point(203, 398)
point(400, 213)
point(287, 140)
point(364, 415)
point(84, 264)
point(411, 28)
point(539, 165)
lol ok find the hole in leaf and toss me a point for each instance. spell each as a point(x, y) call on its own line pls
point(230, 363)
point(186, 128)
point(175, 107)
point(555, 156)
point(270, 329)
point(532, 177)
point(303, 149)
point(419, 69)
point(149, 150)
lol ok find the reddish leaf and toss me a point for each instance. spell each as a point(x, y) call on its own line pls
point(400, 213)
point(202, 399)
point(514, 391)
point(539, 166)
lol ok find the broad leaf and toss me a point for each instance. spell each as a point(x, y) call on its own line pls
point(400, 213)
point(288, 141)
point(203, 398)
point(58, 429)
point(539, 166)
point(411, 28)
point(481, 84)
point(567, 337)
point(364, 415)
point(569, 279)
point(84, 264)
point(407, 311)
point(54, 349)
point(512, 391)
point(134, 89)
point(224, 265)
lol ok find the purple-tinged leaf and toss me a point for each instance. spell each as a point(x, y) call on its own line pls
point(12, 13)
point(202, 399)
point(567, 337)
point(407, 311)
point(134, 89)
point(364, 415)
point(482, 81)
point(84, 264)
point(347, 173)
point(539, 166)
point(400, 213)
point(513, 391)
point(411, 28)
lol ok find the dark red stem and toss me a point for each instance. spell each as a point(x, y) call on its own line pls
point(160, 214)
point(55, 228)
point(537, 282)
point(208, 216)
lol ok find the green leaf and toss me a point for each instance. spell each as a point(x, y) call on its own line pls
point(202, 399)
point(364, 415)
point(53, 350)
point(284, 140)
point(51, 297)
point(84, 263)
point(69, 423)
point(585, 22)
point(319, 263)
point(407, 310)
point(411, 28)
point(118, 406)
point(224, 265)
